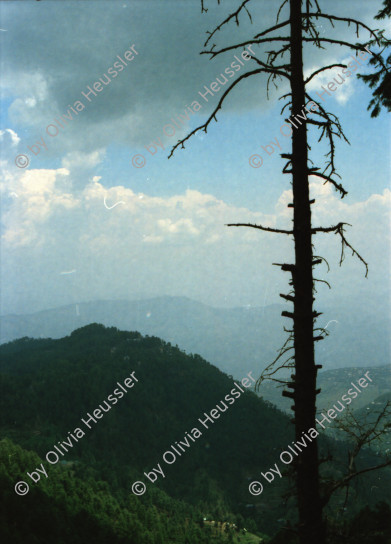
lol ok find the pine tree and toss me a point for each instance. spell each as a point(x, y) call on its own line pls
point(381, 79)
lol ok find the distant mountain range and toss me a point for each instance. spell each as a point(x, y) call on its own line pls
point(233, 339)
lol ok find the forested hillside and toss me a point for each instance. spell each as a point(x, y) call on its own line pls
point(74, 506)
point(333, 384)
point(49, 386)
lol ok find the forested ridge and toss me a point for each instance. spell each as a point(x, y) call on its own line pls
point(49, 385)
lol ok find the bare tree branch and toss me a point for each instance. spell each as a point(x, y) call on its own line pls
point(322, 70)
point(331, 121)
point(355, 47)
point(362, 434)
point(328, 179)
point(233, 15)
point(244, 44)
point(344, 19)
point(339, 229)
point(270, 370)
point(271, 29)
point(269, 68)
point(323, 281)
point(350, 477)
point(267, 229)
point(204, 127)
point(329, 229)
point(279, 11)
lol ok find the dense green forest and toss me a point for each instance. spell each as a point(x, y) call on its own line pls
point(71, 508)
point(48, 386)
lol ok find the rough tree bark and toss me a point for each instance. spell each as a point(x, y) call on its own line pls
point(304, 381)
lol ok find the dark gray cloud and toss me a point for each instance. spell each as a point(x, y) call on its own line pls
point(53, 50)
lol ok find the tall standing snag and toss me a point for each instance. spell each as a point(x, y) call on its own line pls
point(304, 391)
point(300, 27)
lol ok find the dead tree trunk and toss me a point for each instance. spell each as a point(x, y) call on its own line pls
point(302, 25)
point(304, 381)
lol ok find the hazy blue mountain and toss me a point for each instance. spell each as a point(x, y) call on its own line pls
point(233, 339)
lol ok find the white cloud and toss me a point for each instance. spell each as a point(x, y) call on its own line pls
point(169, 245)
point(343, 92)
point(192, 214)
point(12, 135)
point(40, 196)
point(183, 225)
point(79, 160)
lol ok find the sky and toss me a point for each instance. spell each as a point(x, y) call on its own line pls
point(100, 212)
